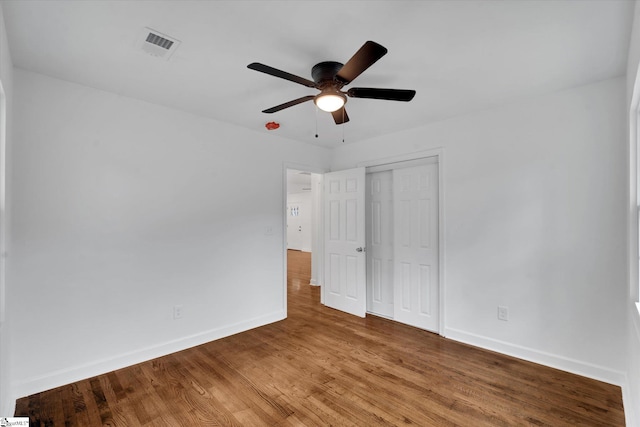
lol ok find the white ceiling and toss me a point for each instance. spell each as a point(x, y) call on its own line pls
point(460, 56)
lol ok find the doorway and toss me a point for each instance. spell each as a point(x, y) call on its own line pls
point(299, 210)
point(302, 231)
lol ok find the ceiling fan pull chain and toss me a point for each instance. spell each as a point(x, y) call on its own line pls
point(316, 121)
point(343, 125)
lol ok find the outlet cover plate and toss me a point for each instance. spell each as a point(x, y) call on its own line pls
point(177, 312)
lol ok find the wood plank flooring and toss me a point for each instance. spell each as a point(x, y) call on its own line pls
point(323, 367)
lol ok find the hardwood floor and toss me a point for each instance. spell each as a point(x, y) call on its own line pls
point(323, 367)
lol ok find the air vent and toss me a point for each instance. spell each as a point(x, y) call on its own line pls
point(159, 41)
point(157, 44)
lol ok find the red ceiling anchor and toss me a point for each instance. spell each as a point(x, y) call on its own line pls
point(272, 125)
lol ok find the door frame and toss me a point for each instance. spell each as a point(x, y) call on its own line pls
point(419, 156)
point(317, 252)
point(390, 167)
point(383, 161)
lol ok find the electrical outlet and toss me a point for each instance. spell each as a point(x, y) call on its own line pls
point(177, 312)
point(503, 313)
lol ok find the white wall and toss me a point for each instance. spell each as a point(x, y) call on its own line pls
point(632, 388)
point(535, 219)
point(123, 209)
point(6, 80)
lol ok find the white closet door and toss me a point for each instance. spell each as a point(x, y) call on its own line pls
point(294, 226)
point(416, 275)
point(345, 260)
point(299, 221)
point(380, 243)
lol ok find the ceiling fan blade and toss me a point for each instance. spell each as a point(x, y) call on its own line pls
point(288, 104)
point(340, 116)
point(282, 74)
point(388, 94)
point(364, 58)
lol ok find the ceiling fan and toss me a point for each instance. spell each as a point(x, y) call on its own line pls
point(330, 77)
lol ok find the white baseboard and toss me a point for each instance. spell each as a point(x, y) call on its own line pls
point(573, 366)
point(62, 377)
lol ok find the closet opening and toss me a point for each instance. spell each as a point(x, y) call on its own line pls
point(402, 239)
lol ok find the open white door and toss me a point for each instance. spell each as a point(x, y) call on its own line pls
point(416, 284)
point(345, 260)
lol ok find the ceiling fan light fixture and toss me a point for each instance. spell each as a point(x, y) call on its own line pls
point(330, 77)
point(330, 101)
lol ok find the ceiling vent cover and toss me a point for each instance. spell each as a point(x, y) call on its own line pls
point(157, 44)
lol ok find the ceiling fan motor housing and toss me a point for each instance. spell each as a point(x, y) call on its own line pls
point(325, 71)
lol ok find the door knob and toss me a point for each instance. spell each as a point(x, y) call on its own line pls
point(361, 249)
